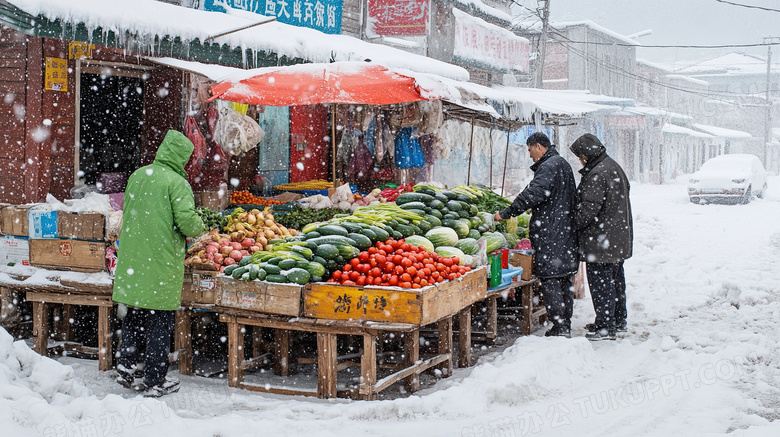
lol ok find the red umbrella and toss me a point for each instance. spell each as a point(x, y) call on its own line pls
point(306, 84)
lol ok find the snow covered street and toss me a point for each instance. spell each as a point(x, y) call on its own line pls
point(701, 358)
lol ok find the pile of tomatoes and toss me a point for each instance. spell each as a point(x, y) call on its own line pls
point(397, 264)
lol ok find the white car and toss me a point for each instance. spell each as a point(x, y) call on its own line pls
point(733, 178)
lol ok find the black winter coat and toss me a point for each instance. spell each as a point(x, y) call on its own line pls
point(605, 227)
point(551, 196)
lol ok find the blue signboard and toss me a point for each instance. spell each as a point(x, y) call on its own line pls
point(519, 136)
point(323, 15)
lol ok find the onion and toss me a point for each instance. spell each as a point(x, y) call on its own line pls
point(224, 242)
point(225, 250)
point(254, 249)
point(196, 259)
point(236, 255)
point(229, 261)
point(236, 245)
point(248, 242)
point(218, 258)
point(211, 250)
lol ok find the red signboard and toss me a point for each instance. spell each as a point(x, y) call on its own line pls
point(397, 17)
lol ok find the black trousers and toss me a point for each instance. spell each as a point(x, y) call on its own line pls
point(558, 294)
point(152, 328)
point(607, 283)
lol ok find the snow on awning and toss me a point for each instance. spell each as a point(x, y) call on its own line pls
point(214, 72)
point(673, 129)
point(150, 27)
point(722, 131)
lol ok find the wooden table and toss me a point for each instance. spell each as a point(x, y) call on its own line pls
point(327, 359)
point(50, 287)
point(528, 310)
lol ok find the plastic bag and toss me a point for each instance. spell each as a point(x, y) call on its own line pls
point(511, 225)
point(580, 280)
point(408, 153)
point(237, 133)
point(193, 133)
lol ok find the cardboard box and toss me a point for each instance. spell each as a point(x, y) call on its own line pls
point(41, 223)
point(14, 250)
point(199, 287)
point(61, 254)
point(524, 259)
point(81, 225)
point(216, 200)
point(13, 220)
point(261, 296)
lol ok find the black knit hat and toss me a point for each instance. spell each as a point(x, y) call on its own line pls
point(588, 146)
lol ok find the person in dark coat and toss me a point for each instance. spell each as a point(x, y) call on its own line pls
point(605, 232)
point(551, 196)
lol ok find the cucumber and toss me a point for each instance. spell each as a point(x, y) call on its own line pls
point(327, 251)
point(348, 252)
point(424, 190)
point(335, 240)
point(464, 198)
point(473, 210)
point(275, 260)
point(315, 269)
point(319, 259)
point(301, 264)
point(362, 241)
point(413, 197)
point(381, 234)
point(370, 234)
point(420, 212)
point(463, 213)
point(413, 205)
point(229, 269)
point(405, 230)
point(312, 234)
point(237, 273)
point(436, 204)
point(397, 235)
point(315, 278)
point(245, 277)
point(424, 226)
point(244, 261)
point(287, 264)
point(433, 220)
point(271, 269)
point(261, 274)
point(332, 230)
point(351, 227)
point(450, 195)
point(276, 278)
point(441, 198)
point(450, 216)
point(254, 270)
point(454, 205)
point(436, 213)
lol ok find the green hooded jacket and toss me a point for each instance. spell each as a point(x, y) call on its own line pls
point(159, 213)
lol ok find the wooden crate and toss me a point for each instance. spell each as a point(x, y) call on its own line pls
point(81, 225)
point(76, 255)
point(526, 261)
point(13, 220)
point(200, 286)
point(392, 304)
point(261, 296)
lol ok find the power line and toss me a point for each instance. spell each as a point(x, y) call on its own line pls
point(748, 6)
point(662, 46)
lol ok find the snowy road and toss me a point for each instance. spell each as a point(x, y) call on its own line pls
point(701, 359)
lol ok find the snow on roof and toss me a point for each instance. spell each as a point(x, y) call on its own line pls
point(485, 9)
point(722, 131)
point(654, 65)
point(597, 28)
point(679, 130)
point(155, 18)
point(659, 112)
point(687, 79)
point(730, 63)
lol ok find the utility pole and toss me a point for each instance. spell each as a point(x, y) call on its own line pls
point(768, 119)
point(542, 45)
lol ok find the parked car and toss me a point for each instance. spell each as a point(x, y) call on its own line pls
point(733, 178)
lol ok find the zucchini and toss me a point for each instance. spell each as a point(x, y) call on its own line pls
point(315, 278)
point(318, 259)
point(424, 190)
point(463, 198)
point(419, 212)
point(286, 264)
point(362, 241)
point(424, 226)
point(413, 197)
point(450, 195)
point(245, 261)
point(351, 227)
point(454, 205)
point(332, 230)
point(254, 270)
point(315, 269)
point(302, 264)
point(381, 234)
point(237, 273)
point(298, 276)
point(327, 251)
point(441, 198)
point(271, 269)
point(433, 220)
point(348, 252)
point(405, 230)
point(276, 278)
point(413, 205)
point(436, 213)
point(370, 234)
point(312, 234)
point(275, 260)
point(335, 240)
point(261, 274)
point(436, 204)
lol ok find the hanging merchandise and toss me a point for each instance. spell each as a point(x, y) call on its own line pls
point(408, 153)
point(370, 135)
point(432, 116)
point(193, 133)
point(388, 138)
point(411, 115)
point(361, 163)
point(236, 132)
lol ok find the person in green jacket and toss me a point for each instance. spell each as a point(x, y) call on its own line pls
point(159, 213)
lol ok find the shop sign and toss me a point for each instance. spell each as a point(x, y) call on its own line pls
point(323, 15)
point(487, 44)
point(398, 17)
point(80, 50)
point(56, 74)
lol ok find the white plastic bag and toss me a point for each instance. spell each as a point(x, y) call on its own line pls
point(236, 132)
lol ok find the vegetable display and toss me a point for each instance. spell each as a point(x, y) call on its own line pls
point(243, 197)
point(299, 217)
point(212, 219)
point(396, 263)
